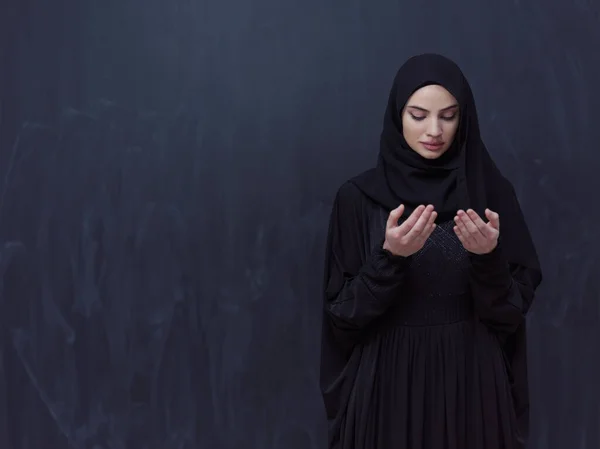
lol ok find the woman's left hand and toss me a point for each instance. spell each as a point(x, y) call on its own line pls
point(476, 236)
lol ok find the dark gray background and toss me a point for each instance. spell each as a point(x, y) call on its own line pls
point(167, 169)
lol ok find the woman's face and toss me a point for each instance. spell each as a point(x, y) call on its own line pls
point(430, 121)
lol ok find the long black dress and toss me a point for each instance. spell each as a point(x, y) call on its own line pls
point(415, 340)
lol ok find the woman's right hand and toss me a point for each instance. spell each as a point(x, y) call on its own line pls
point(409, 237)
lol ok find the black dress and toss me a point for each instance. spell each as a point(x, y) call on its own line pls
point(418, 366)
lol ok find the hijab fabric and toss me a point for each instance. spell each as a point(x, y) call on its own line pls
point(402, 175)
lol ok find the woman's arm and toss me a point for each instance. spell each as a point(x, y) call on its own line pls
point(356, 298)
point(358, 287)
point(502, 292)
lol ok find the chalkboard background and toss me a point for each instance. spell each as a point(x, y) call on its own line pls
point(166, 174)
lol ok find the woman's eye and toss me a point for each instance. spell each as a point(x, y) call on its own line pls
point(449, 118)
point(417, 118)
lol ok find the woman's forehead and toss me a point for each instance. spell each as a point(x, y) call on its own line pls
point(433, 94)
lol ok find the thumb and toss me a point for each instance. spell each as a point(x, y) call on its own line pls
point(394, 216)
point(494, 218)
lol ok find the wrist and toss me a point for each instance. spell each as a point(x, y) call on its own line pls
point(493, 260)
point(387, 250)
point(490, 253)
point(386, 247)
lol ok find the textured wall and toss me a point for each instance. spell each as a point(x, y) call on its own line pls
point(167, 170)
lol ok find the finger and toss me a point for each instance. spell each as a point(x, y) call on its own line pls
point(419, 226)
point(471, 228)
point(429, 228)
point(412, 220)
point(481, 225)
point(460, 236)
point(494, 219)
point(394, 216)
point(464, 232)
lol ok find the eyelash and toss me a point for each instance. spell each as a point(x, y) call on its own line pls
point(448, 119)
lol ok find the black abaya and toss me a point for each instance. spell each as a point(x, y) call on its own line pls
point(427, 352)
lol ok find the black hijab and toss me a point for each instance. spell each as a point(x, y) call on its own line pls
point(404, 176)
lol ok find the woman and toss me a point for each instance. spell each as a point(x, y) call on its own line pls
point(430, 270)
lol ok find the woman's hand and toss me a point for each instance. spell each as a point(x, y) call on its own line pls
point(476, 236)
point(410, 236)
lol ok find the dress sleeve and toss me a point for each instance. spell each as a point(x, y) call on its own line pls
point(359, 287)
point(502, 292)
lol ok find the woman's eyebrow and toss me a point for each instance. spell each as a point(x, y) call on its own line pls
point(426, 110)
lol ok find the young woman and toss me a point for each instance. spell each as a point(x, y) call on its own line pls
point(430, 270)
